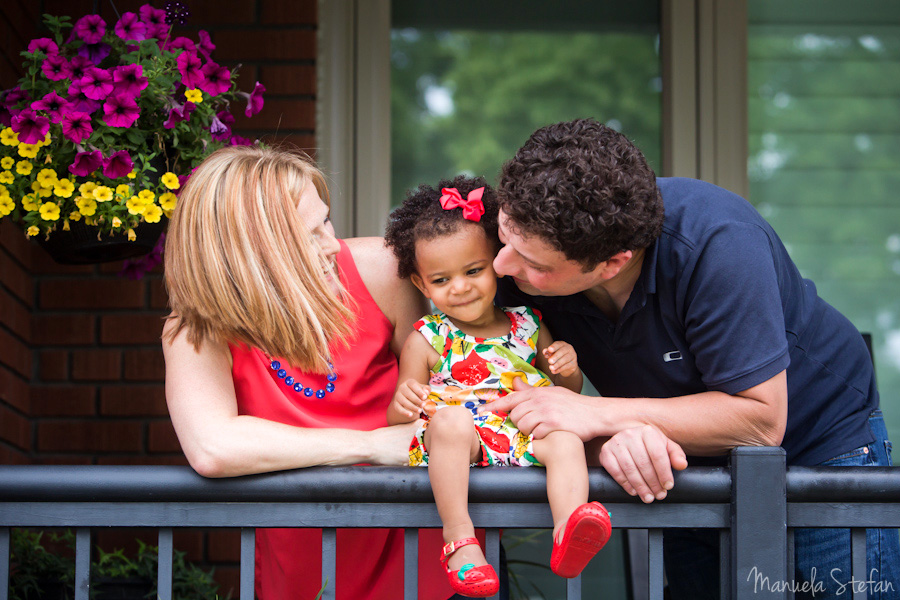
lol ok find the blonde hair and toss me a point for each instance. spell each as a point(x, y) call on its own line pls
point(242, 267)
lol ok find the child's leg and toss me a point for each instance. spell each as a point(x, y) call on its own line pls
point(452, 446)
point(562, 452)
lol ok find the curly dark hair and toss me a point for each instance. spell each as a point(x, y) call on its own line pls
point(421, 217)
point(583, 188)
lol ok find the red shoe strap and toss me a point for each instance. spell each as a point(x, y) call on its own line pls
point(452, 547)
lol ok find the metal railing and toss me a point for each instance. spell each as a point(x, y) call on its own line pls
point(754, 504)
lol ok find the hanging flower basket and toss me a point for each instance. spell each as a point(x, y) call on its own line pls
point(83, 245)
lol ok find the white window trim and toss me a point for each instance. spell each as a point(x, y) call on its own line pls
point(704, 54)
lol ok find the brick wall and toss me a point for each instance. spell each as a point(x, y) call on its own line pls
point(81, 368)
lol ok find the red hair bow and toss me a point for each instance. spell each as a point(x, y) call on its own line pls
point(472, 206)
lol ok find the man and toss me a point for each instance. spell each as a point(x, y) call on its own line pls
point(692, 322)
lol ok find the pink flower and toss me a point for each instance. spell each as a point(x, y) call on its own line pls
point(219, 130)
point(56, 68)
point(255, 100)
point(130, 27)
point(181, 43)
point(52, 103)
point(152, 16)
point(76, 126)
point(94, 52)
point(97, 84)
point(13, 96)
point(86, 163)
point(189, 68)
point(237, 140)
point(216, 79)
point(78, 66)
point(205, 46)
point(45, 45)
point(120, 110)
point(130, 79)
point(118, 165)
point(79, 102)
point(90, 29)
point(31, 127)
point(180, 112)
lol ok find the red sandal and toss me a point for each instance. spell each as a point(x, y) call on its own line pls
point(470, 581)
point(587, 530)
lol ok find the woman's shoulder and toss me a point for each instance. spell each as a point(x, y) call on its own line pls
point(370, 253)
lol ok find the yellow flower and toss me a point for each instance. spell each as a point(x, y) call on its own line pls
point(6, 177)
point(102, 193)
point(44, 141)
point(136, 206)
point(86, 206)
point(47, 177)
point(152, 214)
point(7, 162)
point(167, 201)
point(50, 211)
point(32, 231)
point(28, 150)
point(8, 137)
point(29, 202)
point(87, 189)
point(123, 189)
point(66, 225)
point(64, 188)
point(146, 196)
point(195, 96)
point(24, 167)
point(131, 235)
point(40, 190)
point(116, 222)
point(6, 205)
point(132, 175)
point(75, 215)
point(170, 180)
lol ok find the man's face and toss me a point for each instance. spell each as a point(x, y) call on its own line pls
point(538, 268)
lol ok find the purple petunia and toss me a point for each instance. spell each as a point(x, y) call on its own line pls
point(117, 165)
point(76, 126)
point(78, 67)
point(94, 52)
point(219, 130)
point(205, 46)
point(53, 104)
point(79, 102)
point(179, 113)
point(120, 110)
point(237, 140)
point(13, 96)
point(255, 100)
point(97, 84)
point(216, 79)
point(90, 29)
point(181, 43)
point(45, 45)
point(152, 16)
point(56, 68)
point(130, 79)
point(130, 27)
point(189, 68)
point(31, 127)
point(86, 163)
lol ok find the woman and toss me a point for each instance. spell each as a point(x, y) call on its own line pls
point(267, 304)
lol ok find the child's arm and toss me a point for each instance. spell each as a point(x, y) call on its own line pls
point(415, 370)
point(559, 360)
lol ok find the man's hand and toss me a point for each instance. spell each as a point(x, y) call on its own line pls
point(410, 398)
point(641, 460)
point(538, 411)
point(562, 358)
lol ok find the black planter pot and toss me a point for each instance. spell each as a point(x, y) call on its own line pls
point(80, 246)
point(117, 588)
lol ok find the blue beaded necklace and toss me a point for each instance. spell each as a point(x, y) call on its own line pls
point(298, 387)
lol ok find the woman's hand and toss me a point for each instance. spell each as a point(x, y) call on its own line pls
point(390, 445)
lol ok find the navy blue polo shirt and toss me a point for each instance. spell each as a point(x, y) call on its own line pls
point(719, 305)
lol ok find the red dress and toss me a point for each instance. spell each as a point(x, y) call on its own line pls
point(369, 561)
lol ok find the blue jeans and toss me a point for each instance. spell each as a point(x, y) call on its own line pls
point(692, 555)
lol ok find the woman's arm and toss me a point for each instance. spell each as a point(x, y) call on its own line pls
point(559, 361)
point(218, 442)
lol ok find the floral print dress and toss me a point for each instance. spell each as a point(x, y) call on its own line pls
point(475, 371)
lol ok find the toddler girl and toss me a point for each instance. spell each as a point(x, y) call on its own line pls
point(468, 354)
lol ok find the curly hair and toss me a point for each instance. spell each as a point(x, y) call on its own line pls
point(583, 188)
point(421, 217)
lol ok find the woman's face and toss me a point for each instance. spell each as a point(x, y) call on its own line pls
point(314, 213)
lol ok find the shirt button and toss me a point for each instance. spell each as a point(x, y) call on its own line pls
point(865, 450)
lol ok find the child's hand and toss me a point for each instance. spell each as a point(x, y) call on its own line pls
point(410, 398)
point(562, 358)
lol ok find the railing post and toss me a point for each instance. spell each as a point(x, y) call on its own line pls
point(758, 523)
